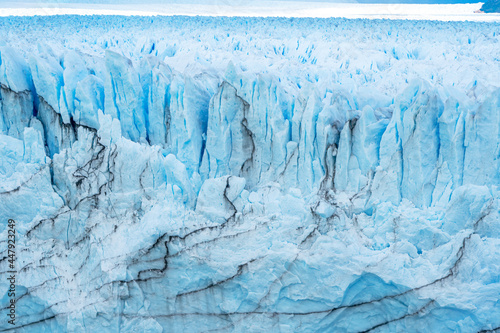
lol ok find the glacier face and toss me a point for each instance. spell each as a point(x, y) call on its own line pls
point(282, 175)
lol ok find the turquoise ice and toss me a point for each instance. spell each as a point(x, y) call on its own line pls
point(250, 175)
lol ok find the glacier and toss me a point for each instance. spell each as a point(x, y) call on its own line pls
point(441, 10)
point(189, 174)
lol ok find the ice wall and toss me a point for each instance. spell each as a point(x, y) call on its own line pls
point(230, 198)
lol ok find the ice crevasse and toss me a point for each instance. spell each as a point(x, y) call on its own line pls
point(153, 199)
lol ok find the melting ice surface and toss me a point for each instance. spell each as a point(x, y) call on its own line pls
point(250, 175)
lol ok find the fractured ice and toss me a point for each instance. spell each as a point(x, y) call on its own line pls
point(251, 175)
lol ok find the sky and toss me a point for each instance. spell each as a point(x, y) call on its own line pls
point(230, 2)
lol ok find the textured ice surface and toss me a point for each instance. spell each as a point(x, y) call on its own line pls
point(256, 8)
point(251, 175)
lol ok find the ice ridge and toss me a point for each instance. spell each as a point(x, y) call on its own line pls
point(230, 199)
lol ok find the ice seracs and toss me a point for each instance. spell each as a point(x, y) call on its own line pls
point(251, 175)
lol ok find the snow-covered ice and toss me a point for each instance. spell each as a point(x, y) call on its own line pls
point(193, 174)
point(257, 8)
